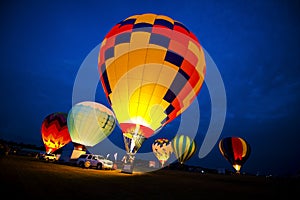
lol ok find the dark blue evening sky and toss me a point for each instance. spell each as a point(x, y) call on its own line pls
point(255, 45)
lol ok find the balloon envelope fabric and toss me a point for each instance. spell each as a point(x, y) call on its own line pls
point(162, 149)
point(184, 148)
point(151, 68)
point(90, 122)
point(235, 150)
point(54, 130)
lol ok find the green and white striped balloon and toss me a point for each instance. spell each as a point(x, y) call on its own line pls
point(184, 147)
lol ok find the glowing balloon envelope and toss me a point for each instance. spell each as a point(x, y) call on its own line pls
point(235, 150)
point(151, 68)
point(54, 130)
point(162, 149)
point(184, 148)
point(90, 122)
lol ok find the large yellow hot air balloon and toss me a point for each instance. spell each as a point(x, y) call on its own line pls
point(90, 122)
point(151, 68)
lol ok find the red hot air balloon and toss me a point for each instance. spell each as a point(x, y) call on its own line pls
point(55, 132)
point(235, 150)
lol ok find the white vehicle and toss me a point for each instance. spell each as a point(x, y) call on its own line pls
point(49, 157)
point(94, 161)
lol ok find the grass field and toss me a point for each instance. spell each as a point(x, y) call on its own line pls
point(29, 177)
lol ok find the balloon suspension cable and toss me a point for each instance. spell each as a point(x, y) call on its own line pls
point(162, 163)
point(135, 137)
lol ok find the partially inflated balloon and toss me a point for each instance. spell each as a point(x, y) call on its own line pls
point(90, 122)
point(162, 149)
point(55, 132)
point(151, 68)
point(235, 150)
point(184, 147)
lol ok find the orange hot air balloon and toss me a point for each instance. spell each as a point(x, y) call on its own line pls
point(235, 150)
point(151, 68)
point(55, 132)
